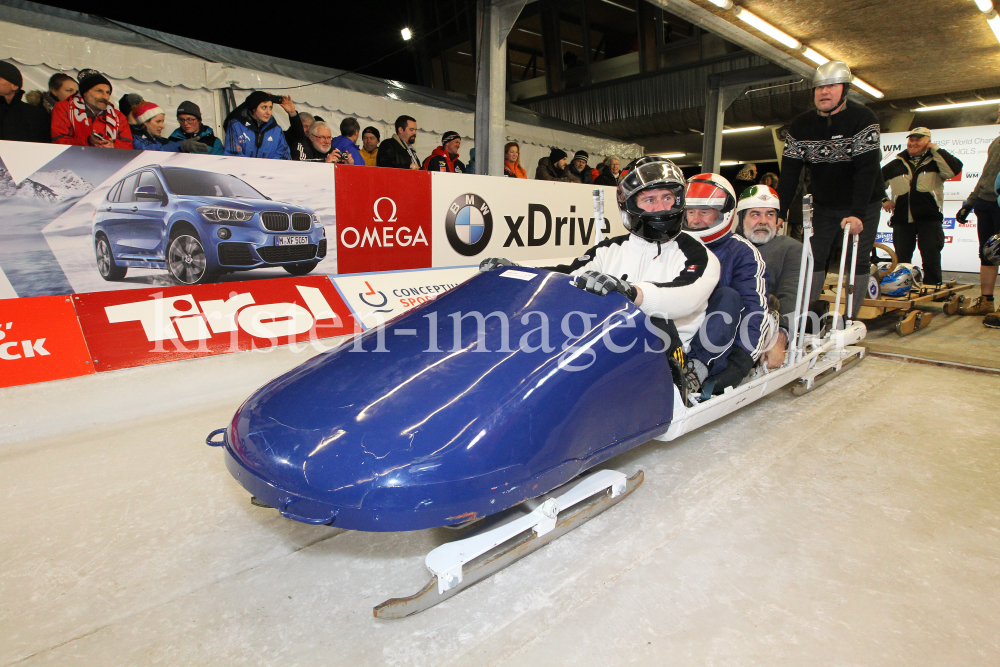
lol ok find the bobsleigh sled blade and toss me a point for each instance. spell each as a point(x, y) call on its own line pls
point(530, 537)
point(493, 393)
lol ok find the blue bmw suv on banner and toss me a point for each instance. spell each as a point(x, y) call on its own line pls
point(200, 224)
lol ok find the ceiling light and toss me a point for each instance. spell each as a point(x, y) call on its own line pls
point(817, 58)
point(407, 35)
point(767, 28)
point(669, 155)
point(871, 90)
point(985, 6)
point(743, 129)
point(729, 163)
point(727, 4)
point(957, 105)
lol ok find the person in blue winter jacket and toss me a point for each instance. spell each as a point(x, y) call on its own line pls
point(148, 128)
point(252, 132)
point(192, 136)
point(740, 298)
point(347, 142)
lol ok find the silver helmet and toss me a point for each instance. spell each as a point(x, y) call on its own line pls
point(832, 72)
point(652, 173)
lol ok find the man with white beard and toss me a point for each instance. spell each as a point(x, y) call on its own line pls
point(758, 212)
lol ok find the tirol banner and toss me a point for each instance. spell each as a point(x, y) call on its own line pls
point(129, 328)
point(476, 217)
point(968, 144)
point(78, 219)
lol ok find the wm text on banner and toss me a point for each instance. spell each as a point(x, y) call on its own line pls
point(476, 217)
point(383, 219)
point(40, 340)
point(132, 328)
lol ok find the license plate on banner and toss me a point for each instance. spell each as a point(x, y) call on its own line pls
point(128, 328)
point(292, 240)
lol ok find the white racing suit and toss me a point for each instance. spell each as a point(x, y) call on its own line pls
point(676, 278)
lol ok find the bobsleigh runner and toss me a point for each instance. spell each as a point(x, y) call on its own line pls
point(494, 405)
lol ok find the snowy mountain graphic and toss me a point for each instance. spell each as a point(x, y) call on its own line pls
point(45, 186)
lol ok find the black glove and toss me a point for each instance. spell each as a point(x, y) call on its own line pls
point(963, 213)
point(491, 263)
point(193, 146)
point(739, 364)
point(602, 284)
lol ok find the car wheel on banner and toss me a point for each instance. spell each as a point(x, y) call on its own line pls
point(106, 261)
point(186, 259)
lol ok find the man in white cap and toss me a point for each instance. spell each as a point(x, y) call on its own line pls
point(840, 141)
point(916, 179)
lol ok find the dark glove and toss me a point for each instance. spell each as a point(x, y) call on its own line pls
point(963, 213)
point(602, 284)
point(738, 366)
point(491, 263)
point(193, 146)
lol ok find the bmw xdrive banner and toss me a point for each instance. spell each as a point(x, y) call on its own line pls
point(476, 217)
point(75, 219)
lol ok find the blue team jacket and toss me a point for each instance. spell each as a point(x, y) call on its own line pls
point(243, 138)
point(743, 269)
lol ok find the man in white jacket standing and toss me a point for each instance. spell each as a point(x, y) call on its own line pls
point(667, 273)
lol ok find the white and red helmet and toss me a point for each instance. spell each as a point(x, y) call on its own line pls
point(712, 191)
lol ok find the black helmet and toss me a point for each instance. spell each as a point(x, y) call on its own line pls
point(651, 173)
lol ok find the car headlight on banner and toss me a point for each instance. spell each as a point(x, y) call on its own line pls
point(220, 214)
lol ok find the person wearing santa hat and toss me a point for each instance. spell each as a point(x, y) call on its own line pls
point(90, 118)
point(148, 127)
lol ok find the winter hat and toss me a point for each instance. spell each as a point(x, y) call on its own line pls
point(450, 135)
point(90, 78)
point(189, 108)
point(128, 101)
point(11, 73)
point(372, 130)
point(145, 110)
point(556, 155)
point(256, 98)
point(582, 155)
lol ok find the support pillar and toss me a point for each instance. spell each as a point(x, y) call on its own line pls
point(496, 18)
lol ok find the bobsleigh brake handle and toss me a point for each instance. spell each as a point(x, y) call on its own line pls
point(216, 443)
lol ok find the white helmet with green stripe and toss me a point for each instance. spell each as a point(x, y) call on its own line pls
point(757, 196)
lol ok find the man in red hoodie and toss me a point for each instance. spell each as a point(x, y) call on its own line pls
point(89, 118)
point(445, 158)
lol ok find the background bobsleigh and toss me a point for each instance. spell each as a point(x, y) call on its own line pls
point(447, 420)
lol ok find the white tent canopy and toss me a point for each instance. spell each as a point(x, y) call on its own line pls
point(167, 70)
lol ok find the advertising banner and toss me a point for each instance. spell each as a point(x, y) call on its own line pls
point(129, 328)
point(376, 297)
point(476, 217)
point(384, 219)
point(968, 144)
point(40, 340)
point(78, 219)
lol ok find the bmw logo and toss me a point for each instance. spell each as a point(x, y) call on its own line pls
point(469, 225)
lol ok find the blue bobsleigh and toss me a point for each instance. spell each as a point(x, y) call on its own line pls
point(498, 391)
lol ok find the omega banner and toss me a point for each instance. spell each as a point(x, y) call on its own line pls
point(968, 144)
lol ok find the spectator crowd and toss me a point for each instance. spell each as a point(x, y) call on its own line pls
point(82, 112)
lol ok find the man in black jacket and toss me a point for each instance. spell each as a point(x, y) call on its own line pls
point(396, 151)
point(840, 143)
point(916, 179)
point(19, 121)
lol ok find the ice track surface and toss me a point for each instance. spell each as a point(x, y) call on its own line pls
point(826, 529)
